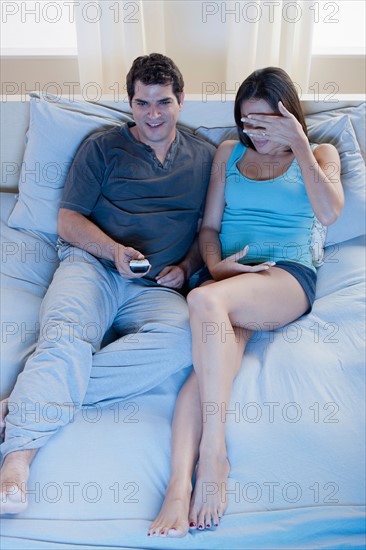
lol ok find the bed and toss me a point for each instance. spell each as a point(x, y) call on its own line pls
point(296, 422)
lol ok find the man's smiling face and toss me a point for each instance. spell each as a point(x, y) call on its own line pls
point(155, 110)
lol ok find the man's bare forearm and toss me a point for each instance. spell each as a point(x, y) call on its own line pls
point(77, 230)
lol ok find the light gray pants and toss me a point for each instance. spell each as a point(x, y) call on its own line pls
point(68, 369)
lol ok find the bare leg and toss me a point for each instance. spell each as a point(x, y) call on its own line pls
point(270, 298)
point(14, 477)
point(208, 502)
point(186, 433)
point(3, 413)
point(174, 518)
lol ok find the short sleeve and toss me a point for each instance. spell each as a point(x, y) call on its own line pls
point(84, 180)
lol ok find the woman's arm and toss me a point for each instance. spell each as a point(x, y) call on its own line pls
point(321, 174)
point(209, 241)
point(320, 168)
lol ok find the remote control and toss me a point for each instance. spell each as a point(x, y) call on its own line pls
point(139, 266)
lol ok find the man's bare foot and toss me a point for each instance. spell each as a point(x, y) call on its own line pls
point(14, 476)
point(209, 499)
point(172, 520)
point(3, 412)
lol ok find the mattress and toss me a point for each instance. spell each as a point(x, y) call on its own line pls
point(295, 429)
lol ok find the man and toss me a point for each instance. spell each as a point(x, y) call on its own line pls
point(133, 192)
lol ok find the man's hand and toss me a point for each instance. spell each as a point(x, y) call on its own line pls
point(172, 276)
point(122, 257)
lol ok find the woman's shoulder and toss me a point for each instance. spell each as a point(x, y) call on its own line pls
point(325, 151)
point(225, 149)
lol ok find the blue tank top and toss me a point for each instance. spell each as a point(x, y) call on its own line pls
point(274, 217)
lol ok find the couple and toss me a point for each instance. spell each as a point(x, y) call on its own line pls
point(139, 190)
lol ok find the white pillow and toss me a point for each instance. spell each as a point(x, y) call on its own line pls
point(357, 117)
point(318, 236)
point(339, 131)
point(56, 129)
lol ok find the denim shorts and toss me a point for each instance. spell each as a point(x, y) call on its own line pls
point(305, 276)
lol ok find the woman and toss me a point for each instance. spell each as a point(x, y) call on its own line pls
point(255, 239)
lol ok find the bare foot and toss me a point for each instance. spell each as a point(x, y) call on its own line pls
point(172, 520)
point(3, 412)
point(14, 477)
point(209, 499)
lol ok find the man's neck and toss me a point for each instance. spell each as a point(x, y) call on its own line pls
point(160, 149)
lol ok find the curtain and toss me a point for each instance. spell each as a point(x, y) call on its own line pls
point(111, 34)
point(217, 42)
point(272, 33)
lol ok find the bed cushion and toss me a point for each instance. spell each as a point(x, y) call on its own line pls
point(295, 439)
point(27, 267)
point(295, 433)
point(339, 131)
point(56, 129)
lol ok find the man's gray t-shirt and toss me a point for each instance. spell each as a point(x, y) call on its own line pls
point(119, 184)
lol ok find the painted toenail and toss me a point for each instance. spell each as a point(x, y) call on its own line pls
point(208, 525)
point(200, 526)
point(192, 524)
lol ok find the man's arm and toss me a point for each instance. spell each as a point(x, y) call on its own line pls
point(174, 276)
point(193, 260)
point(77, 230)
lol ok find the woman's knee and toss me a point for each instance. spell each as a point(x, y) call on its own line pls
point(202, 300)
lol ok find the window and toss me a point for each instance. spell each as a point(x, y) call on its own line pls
point(339, 27)
point(38, 27)
point(47, 27)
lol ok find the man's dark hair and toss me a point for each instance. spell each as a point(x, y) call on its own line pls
point(273, 85)
point(154, 69)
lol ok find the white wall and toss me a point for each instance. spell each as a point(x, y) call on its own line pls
point(338, 74)
point(23, 74)
point(329, 75)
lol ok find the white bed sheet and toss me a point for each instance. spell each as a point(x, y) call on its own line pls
point(296, 431)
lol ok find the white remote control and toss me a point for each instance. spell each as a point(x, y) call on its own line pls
point(139, 266)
